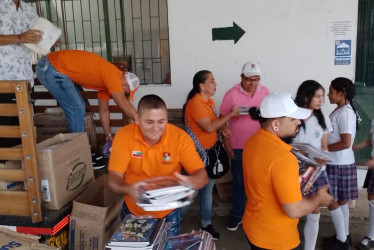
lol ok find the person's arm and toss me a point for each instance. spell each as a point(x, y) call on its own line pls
point(210, 126)
point(104, 114)
point(195, 181)
point(364, 144)
point(344, 143)
point(308, 205)
point(324, 142)
point(30, 36)
point(370, 163)
point(118, 185)
point(124, 104)
point(226, 141)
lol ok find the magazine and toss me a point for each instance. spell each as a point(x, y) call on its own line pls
point(162, 186)
point(195, 240)
point(51, 34)
point(244, 110)
point(314, 155)
point(136, 232)
point(148, 206)
point(169, 197)
point(309, 171)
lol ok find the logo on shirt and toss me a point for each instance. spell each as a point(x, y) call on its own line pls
point(137, 154)
point(317, 134)
point(166, 156)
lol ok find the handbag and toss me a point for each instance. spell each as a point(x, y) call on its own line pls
point(218, 161)
point(215, 159)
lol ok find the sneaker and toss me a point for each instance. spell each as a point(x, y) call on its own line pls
point(99, 164)
point(213, 232)
point(107, 149)
point(96, 156)
point(233, 224)
point(366, 243)
point(336, 244)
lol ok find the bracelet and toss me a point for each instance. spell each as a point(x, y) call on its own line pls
point(108, 135)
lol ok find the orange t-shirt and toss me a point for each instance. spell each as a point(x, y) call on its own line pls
point(198, 108)
point(271, 178)
point(138, 161)
point(88, 70)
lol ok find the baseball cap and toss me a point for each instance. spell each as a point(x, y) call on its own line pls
point(133, 82)
point(279, 104)
point(251, 69)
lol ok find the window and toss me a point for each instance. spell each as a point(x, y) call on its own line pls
point(130, 31)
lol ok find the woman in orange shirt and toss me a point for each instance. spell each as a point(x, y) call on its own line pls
point(202, 124)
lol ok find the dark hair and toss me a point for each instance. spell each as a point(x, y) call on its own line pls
point(304, 96)
point(198, 78)
point(255, 114)
point(342, 84)
point(148, 102)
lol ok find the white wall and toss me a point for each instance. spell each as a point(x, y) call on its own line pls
point(291, 39)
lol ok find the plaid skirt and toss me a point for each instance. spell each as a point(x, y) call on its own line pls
point(321, 181)
point(343, 181)
point(370, 184)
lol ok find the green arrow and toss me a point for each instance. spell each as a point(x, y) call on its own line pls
point(228, 33)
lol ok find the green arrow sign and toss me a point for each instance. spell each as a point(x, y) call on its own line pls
point(228, 33)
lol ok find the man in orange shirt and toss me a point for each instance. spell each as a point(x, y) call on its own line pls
point(138, 153)
point(61, 72)
point(271, 177)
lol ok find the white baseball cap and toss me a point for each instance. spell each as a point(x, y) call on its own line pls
point(280, 104)
point(251, 69)
point(133, 82)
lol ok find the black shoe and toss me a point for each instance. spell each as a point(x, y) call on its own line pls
point(233, 224)
point(330, 239)
point(369, 244)
point(99, 164)
point(335, 244)
point(213, 232)
point(96, 156)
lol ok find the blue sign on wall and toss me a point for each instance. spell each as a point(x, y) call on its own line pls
point(342, 52)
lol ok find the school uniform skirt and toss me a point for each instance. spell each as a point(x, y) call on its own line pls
point(343, 181)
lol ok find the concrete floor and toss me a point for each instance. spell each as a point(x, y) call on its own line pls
point(237, 240)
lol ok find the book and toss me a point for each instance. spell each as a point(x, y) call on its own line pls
point(51, 34)
point(309, 171)
point(244, 110)
point(195, 240)
point(170, 197)
point(136, 232)
point(314, 154)
point(156, 206)
point(164, 193)
point(164, 185)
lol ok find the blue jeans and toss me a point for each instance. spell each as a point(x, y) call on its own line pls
point(173, 218)
point(65, 92)
point(206, 203)
point(238, 198)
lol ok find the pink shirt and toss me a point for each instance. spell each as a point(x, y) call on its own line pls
point(242, 127)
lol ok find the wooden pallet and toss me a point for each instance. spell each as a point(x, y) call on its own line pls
point(20, 203)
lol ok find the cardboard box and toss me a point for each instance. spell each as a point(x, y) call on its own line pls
point(65, 168)
point(61, 239)
point(53, 122)
point(10, 240)
point(95, 216)
point(11, 185)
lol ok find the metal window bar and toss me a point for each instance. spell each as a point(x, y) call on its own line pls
point(134, 31)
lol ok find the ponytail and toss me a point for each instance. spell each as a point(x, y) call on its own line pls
point(346, 86)
point(199, 77)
